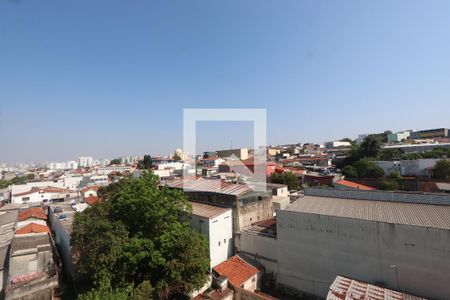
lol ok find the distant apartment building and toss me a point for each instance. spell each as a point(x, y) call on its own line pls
point(361, 137)
point(85, 161)
point(241, 153)
point(106, 170)
point(216, 224)
point(398, 136)
point(63, 165)
point(337, 144)
point(430, 133)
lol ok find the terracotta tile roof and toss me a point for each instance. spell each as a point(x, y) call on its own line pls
point(33, 228)
point(344, 288)
point(91, 200)
point(35, 212)
point(237, 270)
point(355, 185)
point(90, 188)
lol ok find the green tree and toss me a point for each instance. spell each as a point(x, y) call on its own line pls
point(367, 169)
point(97, 243)
point(176, 157)
point(144, 229)
point(441, 169)
point(144, 291)
point(146, 163)
point(347, 140)
point(370, 147)
point(391, 154)
point(389, 185)
point(115, 161)
point(106, 292)
point(287, 178)
point(350, 172)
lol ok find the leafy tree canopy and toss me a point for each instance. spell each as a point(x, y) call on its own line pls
point(176, 157)
point(146, 163)
point(441, 170)
point(287, 178)
point(140, 234)
point(115, 161)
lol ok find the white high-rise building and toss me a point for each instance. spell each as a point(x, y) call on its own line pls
point(85, 161)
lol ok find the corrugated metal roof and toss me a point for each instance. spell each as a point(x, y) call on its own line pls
point(425, 215)
point(344, 288)
point(209, 185)
point(207, 211)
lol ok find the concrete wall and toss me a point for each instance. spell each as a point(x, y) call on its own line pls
point(221, 238)
point(263, 249)
point(314, 249)
point(250, 213)
point(62, 241)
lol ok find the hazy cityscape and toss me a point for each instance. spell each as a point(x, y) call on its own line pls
point(234, 150)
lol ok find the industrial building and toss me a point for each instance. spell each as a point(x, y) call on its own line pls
point(429, 133)
point(398, 240)
point(247, 205)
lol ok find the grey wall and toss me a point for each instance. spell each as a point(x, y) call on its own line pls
point(262, 248)
point(314, 249)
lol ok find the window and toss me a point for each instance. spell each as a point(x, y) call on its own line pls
point(219, 243)
point(224, 241)
point(24, 199)
point(253, 279)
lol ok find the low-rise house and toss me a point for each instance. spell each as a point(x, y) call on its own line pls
point(33, 228)
point(91, 200)
point(34, 215)
point(216, 224)
point(239, 273)
point(89, 191)
point(33, 267)
point(43, 195)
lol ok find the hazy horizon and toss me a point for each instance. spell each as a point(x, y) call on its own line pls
point(111, 78)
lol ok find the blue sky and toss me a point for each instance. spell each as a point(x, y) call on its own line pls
point(108, 78)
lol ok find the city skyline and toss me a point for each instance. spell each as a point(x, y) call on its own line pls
point(103, 79)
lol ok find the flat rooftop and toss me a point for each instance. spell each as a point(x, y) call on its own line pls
point(30, 241)
point(416, 214)
point(207, 211)
point(68, 211)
